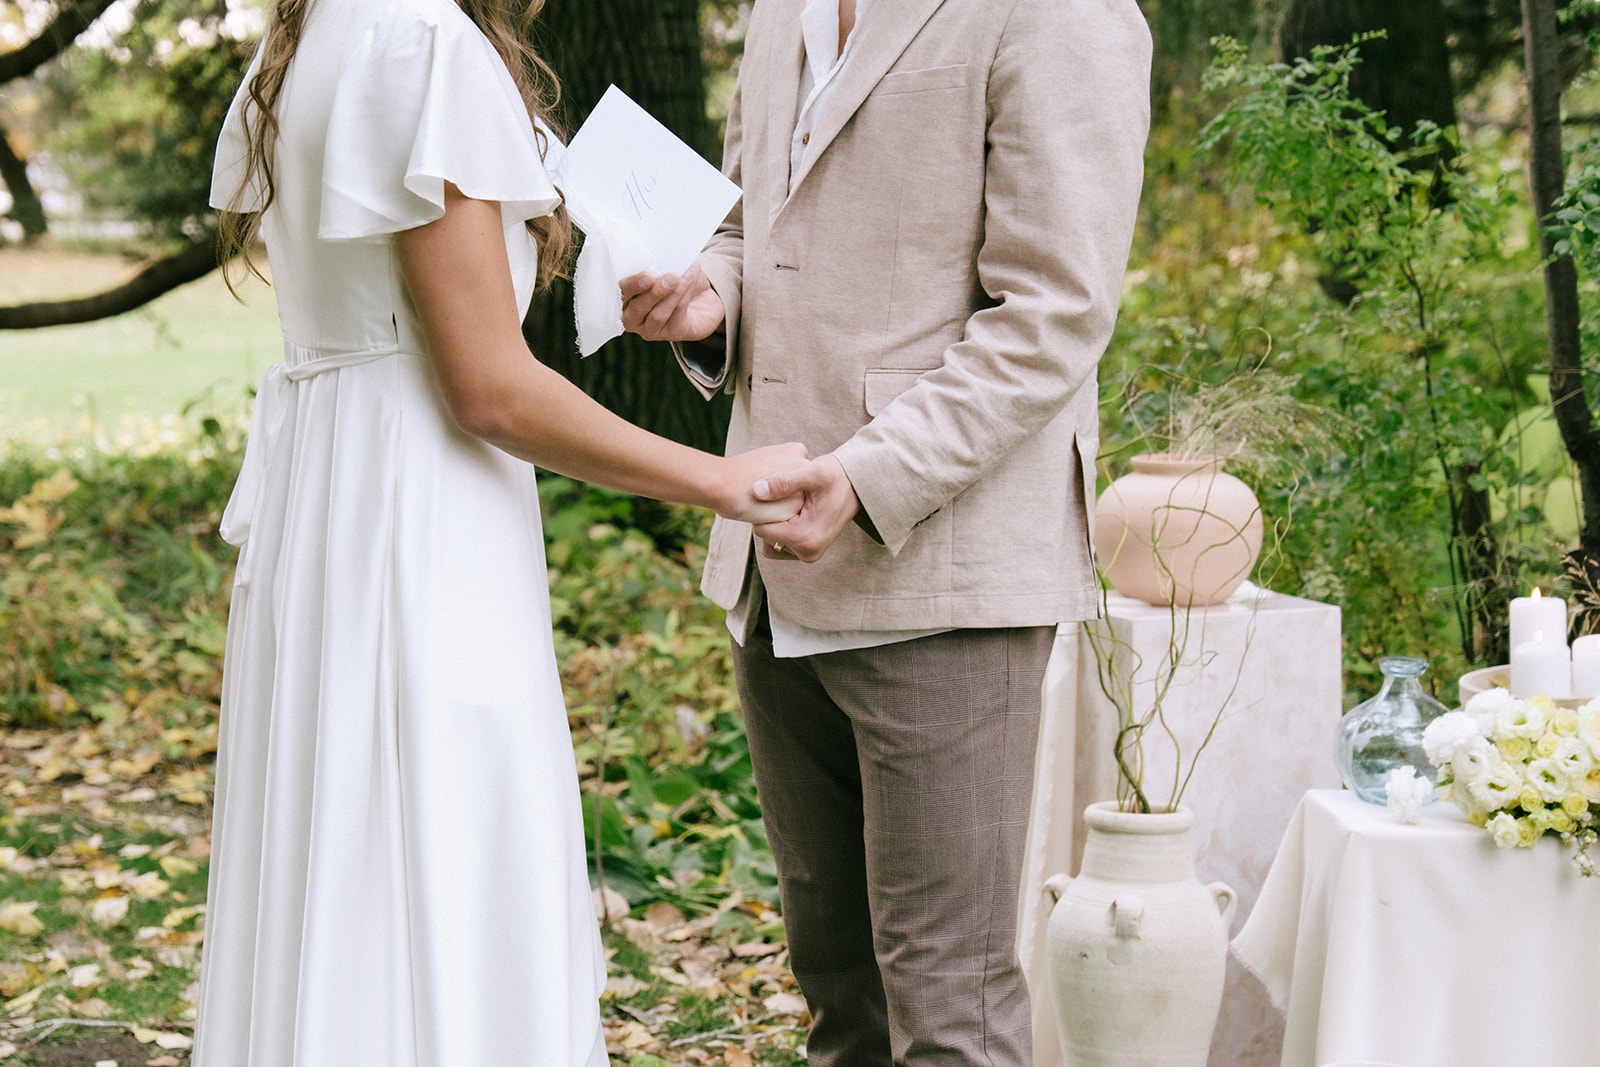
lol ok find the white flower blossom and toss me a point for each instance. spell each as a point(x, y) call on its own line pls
point(1521, 769)
point(1474, 758)
point(1519, 718)
point(1486, 705)
point(1406, 792)
point(1494, 786)
point(1504, 830)
point(1589, 726)
point(1549, 780)
point(1575, 758)
point(1448, 734)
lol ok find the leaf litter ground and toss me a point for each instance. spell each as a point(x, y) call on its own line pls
point(103, 851)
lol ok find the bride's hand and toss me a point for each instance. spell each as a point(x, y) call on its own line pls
point(738, 500)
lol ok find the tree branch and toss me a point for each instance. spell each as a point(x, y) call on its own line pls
point(70, 21)
point(194, 261)
point(25, 205)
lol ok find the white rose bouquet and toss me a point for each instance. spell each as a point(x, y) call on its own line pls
point(1522, 768)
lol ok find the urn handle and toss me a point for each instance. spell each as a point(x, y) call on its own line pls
point(1227, 901)
point(1055, 887)
point(1126, 915)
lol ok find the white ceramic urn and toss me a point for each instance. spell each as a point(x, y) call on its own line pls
point(1137, 947)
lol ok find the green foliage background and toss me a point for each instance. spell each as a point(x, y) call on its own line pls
point(1264, 184)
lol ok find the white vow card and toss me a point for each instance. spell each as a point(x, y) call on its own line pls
point(644, 200)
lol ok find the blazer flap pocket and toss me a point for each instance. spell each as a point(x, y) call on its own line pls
point(922, 81)
point(883, 385)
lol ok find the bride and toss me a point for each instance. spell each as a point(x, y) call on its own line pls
point(397, 868)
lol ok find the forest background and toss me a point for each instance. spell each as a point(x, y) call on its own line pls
point(1338, 274)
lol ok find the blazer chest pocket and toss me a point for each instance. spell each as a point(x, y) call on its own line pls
point(883, 385)
point(926, 80)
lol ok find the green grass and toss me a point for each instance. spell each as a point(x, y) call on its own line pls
point(140, 968)
point(196, 342)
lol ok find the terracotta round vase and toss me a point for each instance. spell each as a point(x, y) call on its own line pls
point(1137, 946)
point(1178, 530)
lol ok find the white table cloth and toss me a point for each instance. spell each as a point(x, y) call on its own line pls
point(1424, 945)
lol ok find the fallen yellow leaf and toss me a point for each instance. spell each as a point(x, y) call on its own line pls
point(16, 977)
point(93, 1008)
point(21, 1004)
point(17, 916)
point(636, 1035)
point(146, 886)
point(623, 986)
point(109, 908)
point(84, 976)
point(755, 949)
point(52, 768)
point(662, 916)
point(178, 866)
point(178, 916)
point(785, 1004)
point(609, 904)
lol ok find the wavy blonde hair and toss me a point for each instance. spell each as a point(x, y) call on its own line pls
point(506, 30)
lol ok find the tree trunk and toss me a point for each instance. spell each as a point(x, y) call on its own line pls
point(1548, 174)
point(25, 205)
point(1490, 575)
point(651, 50)
point(70, 20)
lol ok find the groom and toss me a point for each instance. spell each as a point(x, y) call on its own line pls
point(939, 198)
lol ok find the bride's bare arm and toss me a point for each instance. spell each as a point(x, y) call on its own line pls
point(460, 281)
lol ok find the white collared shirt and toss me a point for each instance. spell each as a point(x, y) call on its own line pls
point(824, 59)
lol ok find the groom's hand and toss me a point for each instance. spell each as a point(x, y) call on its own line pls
point(829, 504)
point(669, 307)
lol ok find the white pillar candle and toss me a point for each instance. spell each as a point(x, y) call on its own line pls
point(1541, 667)
point(1586, 666)
point(1538, 614)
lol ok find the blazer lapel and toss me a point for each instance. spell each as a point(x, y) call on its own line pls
point(781, 66)
point(890, 29)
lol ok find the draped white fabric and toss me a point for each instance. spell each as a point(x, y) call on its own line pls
point(1388, 945)
point(397, 871)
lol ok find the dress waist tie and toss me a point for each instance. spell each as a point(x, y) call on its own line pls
point(273, 397)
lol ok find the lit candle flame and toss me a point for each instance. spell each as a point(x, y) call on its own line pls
point(1535, 593)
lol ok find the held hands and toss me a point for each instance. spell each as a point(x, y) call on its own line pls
point(829, 504)
point(738, 500)
point(667, 307)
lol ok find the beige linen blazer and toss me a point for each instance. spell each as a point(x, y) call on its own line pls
point(931, 300)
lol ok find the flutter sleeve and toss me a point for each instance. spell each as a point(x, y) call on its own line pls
point(422, 103)
point(227, 169)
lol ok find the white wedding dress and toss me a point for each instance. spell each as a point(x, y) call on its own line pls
point(397, 867)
